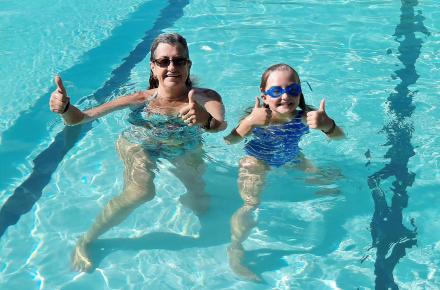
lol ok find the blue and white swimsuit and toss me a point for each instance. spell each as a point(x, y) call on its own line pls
point(278, 144)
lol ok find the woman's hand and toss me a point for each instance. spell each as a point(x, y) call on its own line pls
point(58, 99)
point(319, 119)
point(260, 116)
point(193, 113)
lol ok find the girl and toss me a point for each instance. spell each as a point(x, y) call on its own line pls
point(276, 129)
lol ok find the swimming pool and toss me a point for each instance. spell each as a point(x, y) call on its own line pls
point(376, 63)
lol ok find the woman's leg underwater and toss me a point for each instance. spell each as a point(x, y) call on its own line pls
point(138, 189)
point(189, 168)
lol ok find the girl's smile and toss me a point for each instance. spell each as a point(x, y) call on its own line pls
point(283, 82)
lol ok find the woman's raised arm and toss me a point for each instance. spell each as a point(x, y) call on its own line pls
point(60, 103)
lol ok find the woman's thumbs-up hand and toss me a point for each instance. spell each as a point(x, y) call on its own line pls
point(58, 99)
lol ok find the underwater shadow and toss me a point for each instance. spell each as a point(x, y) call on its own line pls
point(215, 230)
point(389, 235)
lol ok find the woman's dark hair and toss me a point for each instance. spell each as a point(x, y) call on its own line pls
point(285, 67)
point(171, 39)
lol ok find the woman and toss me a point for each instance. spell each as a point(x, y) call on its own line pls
point(167, 120)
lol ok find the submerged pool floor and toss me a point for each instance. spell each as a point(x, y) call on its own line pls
point(373, 226)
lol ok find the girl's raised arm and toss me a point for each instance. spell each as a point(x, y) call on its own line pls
point(319, 120)
point(260, 116)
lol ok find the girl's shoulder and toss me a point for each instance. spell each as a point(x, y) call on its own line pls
point(299, 113)
point(302, 115)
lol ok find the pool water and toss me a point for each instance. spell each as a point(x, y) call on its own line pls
point(374, 226)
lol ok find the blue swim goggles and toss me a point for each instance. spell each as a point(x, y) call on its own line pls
point(293, 90)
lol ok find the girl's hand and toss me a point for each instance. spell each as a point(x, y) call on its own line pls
point(319, 119)
point(260, 116)
point(193, 113)
point(59, 99)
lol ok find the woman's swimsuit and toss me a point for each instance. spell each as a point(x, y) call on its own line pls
point(278, 144)
point(161, 135)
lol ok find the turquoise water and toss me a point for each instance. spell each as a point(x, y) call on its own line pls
point(376, 63)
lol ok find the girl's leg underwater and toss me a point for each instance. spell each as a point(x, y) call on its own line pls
point(251, 179)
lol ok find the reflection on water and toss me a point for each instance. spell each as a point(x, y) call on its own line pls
point(389, 235)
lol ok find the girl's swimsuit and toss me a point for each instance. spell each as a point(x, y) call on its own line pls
point(278, 144)
point(161, 135)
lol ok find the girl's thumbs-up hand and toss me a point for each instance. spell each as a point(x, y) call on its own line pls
point(58, 99)
point(260, 116)
point(319, 119)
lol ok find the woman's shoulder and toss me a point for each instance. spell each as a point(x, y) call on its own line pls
point(135, 100)
point(141, 96)
point(144, 95)
point(207, 93)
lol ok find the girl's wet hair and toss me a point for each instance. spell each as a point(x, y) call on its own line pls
point(285, 67)
point(171, 39)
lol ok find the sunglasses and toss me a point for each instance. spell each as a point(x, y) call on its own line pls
point(177, 62)
point(293, 90)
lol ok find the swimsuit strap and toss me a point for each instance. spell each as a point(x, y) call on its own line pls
point(148, 100)
point(152, 97)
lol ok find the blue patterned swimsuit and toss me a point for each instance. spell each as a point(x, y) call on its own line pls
point(278, 144)
point(161, 135)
